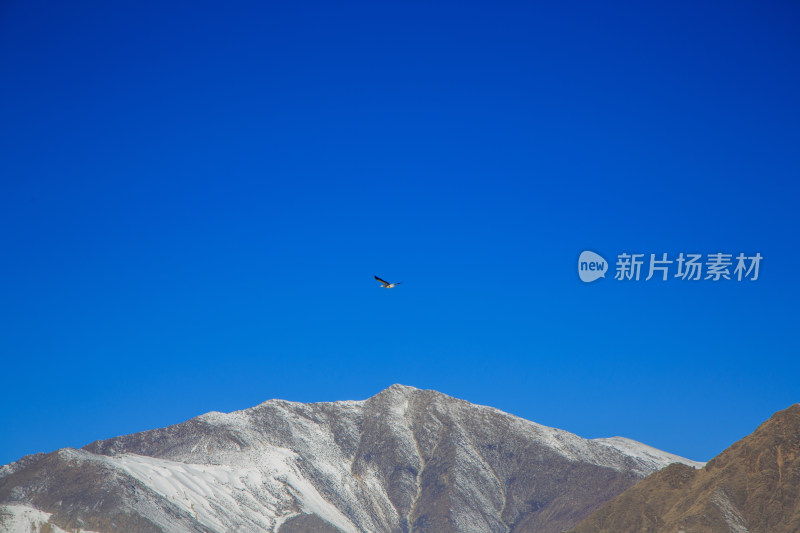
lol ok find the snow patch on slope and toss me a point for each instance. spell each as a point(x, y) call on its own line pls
point(25, 519)
point(216, 495)
point(647, 454)
point(730, 513)
point(618, 453)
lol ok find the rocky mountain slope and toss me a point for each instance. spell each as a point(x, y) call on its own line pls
point(753, 486)
point(403, 460)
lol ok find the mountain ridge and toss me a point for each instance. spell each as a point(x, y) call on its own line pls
point(402, 460)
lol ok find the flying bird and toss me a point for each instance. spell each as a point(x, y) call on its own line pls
point(386, 285)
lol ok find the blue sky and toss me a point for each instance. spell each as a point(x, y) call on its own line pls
point(195, 198)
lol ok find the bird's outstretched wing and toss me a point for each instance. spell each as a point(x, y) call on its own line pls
point(382, 280)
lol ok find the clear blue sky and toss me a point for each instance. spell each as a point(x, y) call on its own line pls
point(195, 198)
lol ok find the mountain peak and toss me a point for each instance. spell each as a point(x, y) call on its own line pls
point(404, 459)
point(398, 389)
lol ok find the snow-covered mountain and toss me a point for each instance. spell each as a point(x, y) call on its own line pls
point(403, 460)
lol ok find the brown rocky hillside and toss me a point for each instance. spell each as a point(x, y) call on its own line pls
point(753, 487)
